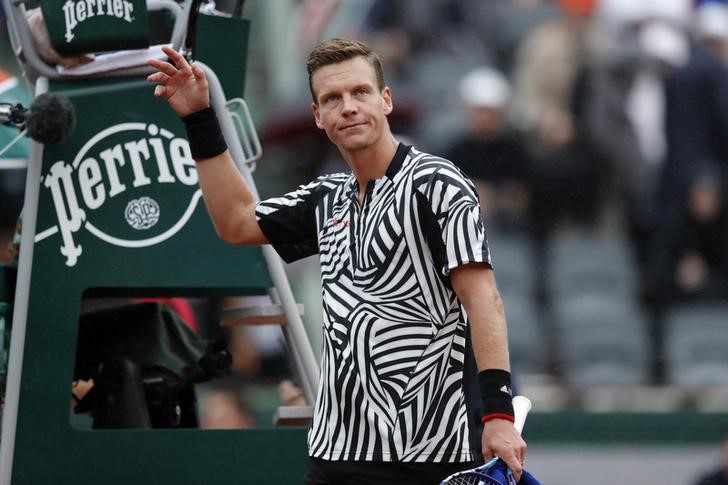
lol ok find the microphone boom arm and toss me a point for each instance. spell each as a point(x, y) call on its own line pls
point(13, 115)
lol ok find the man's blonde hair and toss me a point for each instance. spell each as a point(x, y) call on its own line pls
point(338, 50)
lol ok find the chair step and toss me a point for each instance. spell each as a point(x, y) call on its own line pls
point(256, 315)
point(299, 416)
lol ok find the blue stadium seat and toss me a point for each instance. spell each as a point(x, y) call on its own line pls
point(603, 341)
point(696, 341)
point(587, 261)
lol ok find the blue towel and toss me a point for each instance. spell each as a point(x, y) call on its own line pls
point(500, 473)
point(495, 472)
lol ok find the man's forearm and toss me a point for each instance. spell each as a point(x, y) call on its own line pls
point(229, 200)
point(488, 333)
point(476, 289)
point(478, 293)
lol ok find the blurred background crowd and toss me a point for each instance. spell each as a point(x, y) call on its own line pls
point(596, 133)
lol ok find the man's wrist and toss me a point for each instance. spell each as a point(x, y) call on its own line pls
point(496, 395)
point(204, 134)
point(491, 416)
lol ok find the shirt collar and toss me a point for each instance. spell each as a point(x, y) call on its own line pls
point(396, 164)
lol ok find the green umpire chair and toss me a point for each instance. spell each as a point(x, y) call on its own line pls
point(116, 211)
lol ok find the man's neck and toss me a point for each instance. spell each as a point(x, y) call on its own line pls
point(372, 163)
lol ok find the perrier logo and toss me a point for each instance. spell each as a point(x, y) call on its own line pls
point(77, 12)
point(132, 185)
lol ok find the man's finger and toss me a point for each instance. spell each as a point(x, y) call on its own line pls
point(515, 465)
point(158, 77)
point(197, 71)
point(176, 57)
point(159, 90)
point(162, 66)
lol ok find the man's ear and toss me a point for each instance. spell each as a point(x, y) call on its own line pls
point(317, 116)
point(388, 104)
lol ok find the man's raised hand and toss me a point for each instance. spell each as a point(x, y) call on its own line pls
point(183, 86)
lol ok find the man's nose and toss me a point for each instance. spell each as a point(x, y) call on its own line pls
point(348, 105)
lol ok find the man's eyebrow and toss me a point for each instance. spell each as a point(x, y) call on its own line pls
point(325, 95)
point(366, 85)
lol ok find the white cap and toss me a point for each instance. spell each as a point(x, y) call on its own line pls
point(627, 12)
point(618, 13)
point(485, 87)
point(675, 11)
point(665, 42)
point(711, 20)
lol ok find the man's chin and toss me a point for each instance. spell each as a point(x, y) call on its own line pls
point(355, 145)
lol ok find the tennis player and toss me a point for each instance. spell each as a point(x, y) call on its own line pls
point(407, 279)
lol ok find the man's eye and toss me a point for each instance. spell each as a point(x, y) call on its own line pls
point(330, 99)
point(362, 92)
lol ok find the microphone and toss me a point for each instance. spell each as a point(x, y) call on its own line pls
point(214, 363)
point(12, 115)
point(49, 119)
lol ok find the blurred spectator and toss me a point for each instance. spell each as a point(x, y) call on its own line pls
point(696, 112)
point(720, 475)
point(550, 81)
point(567, 177)
point(493, 158)
point(223, 408)
point(624, 113)
point(290, 394)
point(548, 64)
point(258, 349)
point(694, 261)
point(711, 28)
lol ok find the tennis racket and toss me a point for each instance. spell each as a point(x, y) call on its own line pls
point(481, 475)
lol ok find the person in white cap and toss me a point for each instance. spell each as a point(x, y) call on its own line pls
point(711, 28)
point(487, 152)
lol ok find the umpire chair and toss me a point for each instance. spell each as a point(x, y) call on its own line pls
point(116, 210)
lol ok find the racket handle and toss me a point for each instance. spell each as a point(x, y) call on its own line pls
point(521, 407)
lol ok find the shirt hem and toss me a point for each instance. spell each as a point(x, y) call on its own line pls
point(463, 457)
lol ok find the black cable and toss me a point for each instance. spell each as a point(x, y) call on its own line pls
point(238, 10)
point(192, 25)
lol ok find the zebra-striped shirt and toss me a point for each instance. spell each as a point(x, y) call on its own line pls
point(394, 330)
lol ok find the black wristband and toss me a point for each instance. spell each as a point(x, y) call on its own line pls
point(204, 134)
point(496, 394)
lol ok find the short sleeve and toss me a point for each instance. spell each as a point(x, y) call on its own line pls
point(450, 202)
point(289, 221)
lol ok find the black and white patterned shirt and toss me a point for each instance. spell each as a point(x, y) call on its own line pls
point(394, 330)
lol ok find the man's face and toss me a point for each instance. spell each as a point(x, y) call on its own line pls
point(351, 108)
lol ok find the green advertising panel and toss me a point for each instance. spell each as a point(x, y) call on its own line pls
point(80, 26)
point(229, 63)
point(120, 213)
